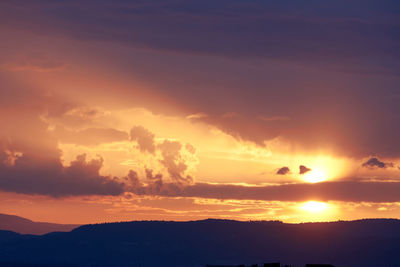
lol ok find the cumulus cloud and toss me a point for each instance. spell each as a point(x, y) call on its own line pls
point(374, 163)
point(30, 161)
point(133, 180)
point(155, 182)
point(144, 138)
point(283, 171)
point(29, 175)
point(173, 155)
point(190, 148)
point(303, 169)
point(174, 162)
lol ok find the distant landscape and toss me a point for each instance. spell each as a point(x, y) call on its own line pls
point(26, 226)
point(372, 242)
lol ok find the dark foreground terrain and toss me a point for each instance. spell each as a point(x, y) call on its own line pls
point(156, 243)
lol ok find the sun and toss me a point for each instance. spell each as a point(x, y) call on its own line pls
point(315, 176)
point(314, 206)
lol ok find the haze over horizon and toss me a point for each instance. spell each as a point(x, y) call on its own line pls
point(186, 110)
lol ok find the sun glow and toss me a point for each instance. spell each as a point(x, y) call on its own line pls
point(314, 206)
point(315, 176)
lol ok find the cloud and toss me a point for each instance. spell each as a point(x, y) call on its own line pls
point(30, 160)
point(374, 163)
point(172, 155)
point(90, 136)
point(303, 169)
point(174, 162)
point(144, 138)
point(347, 191)
point(241, 127)
point(155, 182)
point(325, 41)
point(75, 117)
point(33, 62)
point(29, 175)
point(326, 191)
point(283, 171)
point(152, 185)
point(190, 148)
point(239, 29)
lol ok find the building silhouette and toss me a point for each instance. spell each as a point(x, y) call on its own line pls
point(274, 264)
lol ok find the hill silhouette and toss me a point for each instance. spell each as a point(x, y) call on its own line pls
point(372, 242)
point(25, 226)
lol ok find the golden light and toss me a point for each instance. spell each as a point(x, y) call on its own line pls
point(314, 206)
point(315, 176)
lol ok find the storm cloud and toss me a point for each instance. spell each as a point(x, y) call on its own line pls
point(236, 28)
point(373, 163)
point(347, 191)
point(303, 169)
point(327, 191)
point(302, 61)
point(283, 171)
point(26, 175)
point(29, 175)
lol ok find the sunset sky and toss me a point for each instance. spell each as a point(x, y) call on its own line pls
point(186, 109)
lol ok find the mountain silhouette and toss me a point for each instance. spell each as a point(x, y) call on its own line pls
point(372, 242)
point(25, 226)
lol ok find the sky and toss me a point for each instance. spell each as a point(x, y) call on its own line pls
point(185, 110)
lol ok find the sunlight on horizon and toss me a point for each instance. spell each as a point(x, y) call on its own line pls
point(314, 206)
point(315, 176)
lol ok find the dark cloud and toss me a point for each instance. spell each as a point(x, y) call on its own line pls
point(283, 171)
point(348, 191)
point(303, 169)
point(327, 191)
point(29, 175)
point(259, 59)
point(153, 184)
point(373, 163)
point(144, 138)
point(30, 159)
point(294, 31)
point(242, 127)
point(133, 179)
